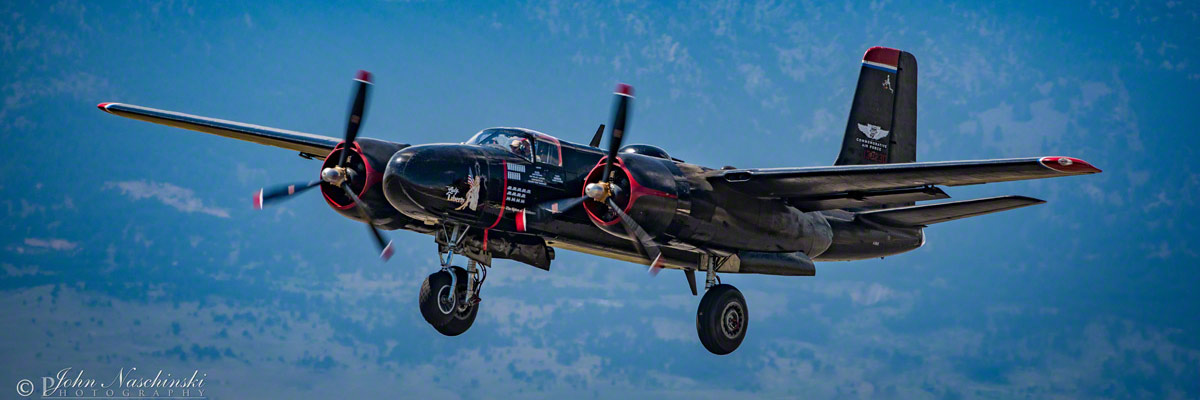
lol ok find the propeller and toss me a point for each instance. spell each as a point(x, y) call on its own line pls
point(357, 109)
point(341, 175)
point(384, 245)
point(642, 239)
point(547, 210)
point(620, 115)
point(281, 192)
point(604, 190)
point(599, 191)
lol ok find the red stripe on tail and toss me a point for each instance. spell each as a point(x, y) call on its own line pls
point(883, 55)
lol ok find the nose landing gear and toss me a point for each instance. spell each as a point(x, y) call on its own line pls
point(449, 298)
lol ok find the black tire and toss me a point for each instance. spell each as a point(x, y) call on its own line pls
point(701, 330)
point(428, 298)
point(722, 319)
point(461, 319)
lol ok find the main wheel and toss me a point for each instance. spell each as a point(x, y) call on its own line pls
point(463, 315)
point(722, 319)
point(432, 299)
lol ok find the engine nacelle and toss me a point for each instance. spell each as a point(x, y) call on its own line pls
point(367, 156)
point(674, 202)
point(646, 189)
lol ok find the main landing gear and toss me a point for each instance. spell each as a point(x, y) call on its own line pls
point(722, 317)
point(449, 298)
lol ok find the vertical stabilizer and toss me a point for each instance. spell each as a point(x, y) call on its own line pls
point(883, 117)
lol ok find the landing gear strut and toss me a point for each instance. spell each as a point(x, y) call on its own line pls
point(449, 298)
point(722, 318)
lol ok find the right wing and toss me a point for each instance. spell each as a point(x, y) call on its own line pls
point(815, 186)
point(316, 146)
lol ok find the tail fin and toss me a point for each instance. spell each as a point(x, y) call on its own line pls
point(883, 118)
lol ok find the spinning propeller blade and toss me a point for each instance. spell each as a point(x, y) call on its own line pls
point(642, 239)
point(357, 111)
point(624, 95)
point(645, 244)
point(549, 209)
point(385, 246)
point(281, 192)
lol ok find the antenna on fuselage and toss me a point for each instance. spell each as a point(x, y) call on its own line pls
point(596, 138)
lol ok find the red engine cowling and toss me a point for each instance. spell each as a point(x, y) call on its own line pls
point(368, 157)
point(645, 188)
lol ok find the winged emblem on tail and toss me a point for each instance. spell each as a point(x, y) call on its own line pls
point(872, 131)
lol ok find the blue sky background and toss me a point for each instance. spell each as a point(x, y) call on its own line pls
point(128, 244)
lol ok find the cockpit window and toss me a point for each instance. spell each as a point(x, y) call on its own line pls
point(531, 146)
point(548, 152)
point(515, 142)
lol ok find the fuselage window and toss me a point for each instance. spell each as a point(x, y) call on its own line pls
point(547, 152)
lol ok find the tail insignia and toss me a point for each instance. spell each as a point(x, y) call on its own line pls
point(872, 131)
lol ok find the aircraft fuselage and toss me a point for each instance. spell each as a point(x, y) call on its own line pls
point(496, 190)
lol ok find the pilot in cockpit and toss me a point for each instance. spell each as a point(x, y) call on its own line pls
point(520, 146)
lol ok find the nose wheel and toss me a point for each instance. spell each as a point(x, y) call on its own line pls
point(444, 302)
point(449, 298)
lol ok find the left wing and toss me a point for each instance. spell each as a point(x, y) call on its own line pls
point(316, 146)
point(815, 186)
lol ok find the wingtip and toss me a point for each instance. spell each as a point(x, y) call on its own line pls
point(1069, 165)
point(104, 107)
point(1032, 200)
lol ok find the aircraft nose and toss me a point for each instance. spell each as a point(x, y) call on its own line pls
point(396, 181)
point(420, 181)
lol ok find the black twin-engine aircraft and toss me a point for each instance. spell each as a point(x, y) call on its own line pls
point(519, 194)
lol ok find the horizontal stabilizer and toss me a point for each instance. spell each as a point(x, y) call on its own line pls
point(941, 212)
point(307, 143)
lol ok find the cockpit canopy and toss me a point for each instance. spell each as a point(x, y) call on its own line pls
point(525, 143)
